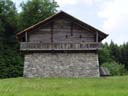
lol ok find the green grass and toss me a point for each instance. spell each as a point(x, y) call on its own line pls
point(112, 86)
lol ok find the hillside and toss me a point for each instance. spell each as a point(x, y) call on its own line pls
point(112, 86)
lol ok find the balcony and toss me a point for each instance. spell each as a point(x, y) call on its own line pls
point(32, 46)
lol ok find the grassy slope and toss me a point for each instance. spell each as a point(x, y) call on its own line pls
point(112, 86)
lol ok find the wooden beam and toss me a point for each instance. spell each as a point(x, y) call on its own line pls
point(52, 29)
point(71, 29)
point(97, 35)
point(26, 37)
point(31, 46)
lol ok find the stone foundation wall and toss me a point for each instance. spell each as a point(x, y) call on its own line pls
point(61, 65)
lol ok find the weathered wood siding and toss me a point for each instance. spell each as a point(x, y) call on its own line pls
point(41, 35)
point(61, 31)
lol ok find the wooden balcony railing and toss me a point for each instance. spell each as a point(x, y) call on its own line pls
point(31, 46)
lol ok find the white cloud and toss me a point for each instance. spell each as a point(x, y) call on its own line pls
point(115, 15)
point(73, 2)
point(93, 2)
point(114, 8)
point(88, 2)
point(66, 2)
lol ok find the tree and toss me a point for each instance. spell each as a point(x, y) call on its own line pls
point(7, 24)
point(34, 11)
point(10, 61)
point(114, 51)
point(124, 55)
point(104, 54)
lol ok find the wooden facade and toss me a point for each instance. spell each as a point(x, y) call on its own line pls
point(60, 32)
point(61, 46)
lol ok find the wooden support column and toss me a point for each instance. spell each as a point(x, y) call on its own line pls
point(97, 36)
point(52, 28)
point(26, 37)
point(71, 29)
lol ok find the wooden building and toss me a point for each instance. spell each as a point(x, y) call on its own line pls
point(61, 46)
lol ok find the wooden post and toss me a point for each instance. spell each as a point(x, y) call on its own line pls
point(52, 32)
point(97, 35)
point(26, 37)
point(52, 29)
point(71, 29)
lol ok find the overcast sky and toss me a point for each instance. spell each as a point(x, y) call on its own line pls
point(109, 16)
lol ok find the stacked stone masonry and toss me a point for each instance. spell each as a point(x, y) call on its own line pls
point(61, 65)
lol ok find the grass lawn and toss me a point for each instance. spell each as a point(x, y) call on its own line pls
point(112, 86)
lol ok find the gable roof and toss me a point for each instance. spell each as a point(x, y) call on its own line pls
point(102, 35)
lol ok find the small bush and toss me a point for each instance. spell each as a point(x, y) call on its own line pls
point(115, 68)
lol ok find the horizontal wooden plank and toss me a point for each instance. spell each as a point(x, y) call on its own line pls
point(59, 46)
point(64, 31)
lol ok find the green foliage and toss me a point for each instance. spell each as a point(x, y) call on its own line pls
point(115, 68)
point(36, 10)
point(113, 52)
point(11, 65)
point(11, 62)
point(104, 54)
point(123, 55)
